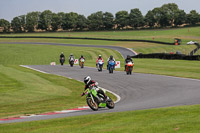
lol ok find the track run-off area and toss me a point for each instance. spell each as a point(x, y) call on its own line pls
point(137, 91)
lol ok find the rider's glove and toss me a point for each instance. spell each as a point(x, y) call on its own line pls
point(83, 94)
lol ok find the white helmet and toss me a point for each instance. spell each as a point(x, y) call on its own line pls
point(87, 80)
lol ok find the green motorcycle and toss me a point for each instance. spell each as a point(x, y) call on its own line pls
point(96, 101)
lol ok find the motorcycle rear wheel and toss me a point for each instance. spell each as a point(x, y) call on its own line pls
point(110, 104)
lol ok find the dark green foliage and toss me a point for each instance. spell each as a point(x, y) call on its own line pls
point(108, 20)
point(17, 24)
point(122, 19)
point(81, 22)
point(56, 21)
point(193, 17)
point(95, 21)
point(45, 20)
point(180, 17)
point(32, 19)
point(149, 19)
point(5, 24)
point(136, 18)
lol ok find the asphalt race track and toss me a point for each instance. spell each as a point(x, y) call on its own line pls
point(137, 91)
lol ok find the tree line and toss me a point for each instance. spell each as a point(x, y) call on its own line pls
point(168, 15)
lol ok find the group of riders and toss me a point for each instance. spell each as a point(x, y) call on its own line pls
point(89, 83)
point(111, 58)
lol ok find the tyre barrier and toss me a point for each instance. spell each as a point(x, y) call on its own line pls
point(168, 56)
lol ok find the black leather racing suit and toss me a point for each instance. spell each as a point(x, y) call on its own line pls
point(62, 56)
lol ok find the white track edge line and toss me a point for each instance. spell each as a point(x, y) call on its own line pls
point(118, 97)
point(33, 69)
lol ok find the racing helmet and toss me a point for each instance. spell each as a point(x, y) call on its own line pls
point(128, 56)
point(81, 56)
point(87, 80)
point(71, 54)
point(99, 56)
point(111, 57)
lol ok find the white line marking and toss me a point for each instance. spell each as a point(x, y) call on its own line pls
point(118, 97)
point(34, 69)
point(132, 51)
point(181, 78)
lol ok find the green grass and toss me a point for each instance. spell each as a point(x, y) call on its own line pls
point(24, 92)
point(139, 47)
point(17, 83)
point(18, 54)
point(184, 49)
point(183, 119)
point(166, 35)
point(178, 68)
point(28, 92)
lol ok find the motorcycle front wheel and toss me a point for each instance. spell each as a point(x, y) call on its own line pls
point(92, 105)
point(82, 65)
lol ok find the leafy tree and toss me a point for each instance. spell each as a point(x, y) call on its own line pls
point(5, 24)
point(32, 20)
point(149, 19)
point(56, 21)
point(122, 19)
point(157, 15)
point(108, 20)
point(62, 17)
point(180, 17)
point(16, 24)
point(95, 21)
point(22, 19)
point(45, 19)
point(136, 18)
point(193, 17)
point(81, 22)
point(169, 13)
point(70, 21)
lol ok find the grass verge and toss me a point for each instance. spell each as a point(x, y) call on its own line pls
point(182, 119)
point(25, 92)
point(165, 35)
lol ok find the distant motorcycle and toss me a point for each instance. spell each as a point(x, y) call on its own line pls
point(96, 101)
point(71, 62)
point(62, 60)
point(111, 66)
point(129, 68)
point(100, 65)
point(81, 63)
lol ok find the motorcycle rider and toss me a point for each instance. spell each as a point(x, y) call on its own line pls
point(110, 59)
point(89, 83)
point(99, 58)
point(128, 59)
point(81, 58)
point(62, 56)
point(71, 57)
